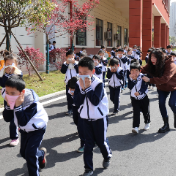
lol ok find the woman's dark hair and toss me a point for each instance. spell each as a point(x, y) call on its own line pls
point(72, 83)
point(114, 62)
point(135, 65)
point(16, 81)
point(86, 62)
point(158, 69)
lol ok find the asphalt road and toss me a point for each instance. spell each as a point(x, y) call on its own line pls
point(145, 154)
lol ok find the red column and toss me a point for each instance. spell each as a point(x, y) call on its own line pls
point(157, 31)
point(135, 23)
point(147, 27)
point(167, 35)
point(163, 35)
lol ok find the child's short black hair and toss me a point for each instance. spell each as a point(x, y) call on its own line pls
point(102, 46)
point(16, 81)
point(120, 50)
point(86, 62)
point(134, 60)
point(83, 48)
point(135, 65)
point(135, 46)
point(129, 49)
point(169, 47)
point(97, 57)
point(54, 42)
point(69, 52)
point(72, 83)
point(100, 52)
point(114, 62)
point(149, 50)
point(82, 55)
point(11, 56)
point(113, 48)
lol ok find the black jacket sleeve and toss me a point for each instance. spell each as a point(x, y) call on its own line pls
point(120, 74)
point(24, 116)
point(109, 74)
point(79, 96)
point(98, 70)
point(143, 87)
point(95, 96)
point(131, 84)
point(76, 67)
point(64, 68)
point(8, 114)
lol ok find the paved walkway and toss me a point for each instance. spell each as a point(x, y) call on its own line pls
point(145, 154)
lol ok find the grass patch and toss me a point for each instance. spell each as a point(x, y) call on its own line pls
point(52, 82)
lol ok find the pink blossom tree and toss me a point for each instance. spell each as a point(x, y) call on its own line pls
point(60, 22)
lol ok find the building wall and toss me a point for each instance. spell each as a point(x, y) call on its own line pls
point(172, 30)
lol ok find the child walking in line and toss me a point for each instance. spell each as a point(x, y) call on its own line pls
point(23, 107)
point(10, 66)
point(103, 62)
point(115, 76)
point(91, 98)
point(98, 67)
point(70, 69)
point(139, 98)
point(76, 116)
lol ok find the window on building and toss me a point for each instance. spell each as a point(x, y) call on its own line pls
point(99, 32)
point(81, 37)
point(119, 32)
point(125, 36)
point(109, 34)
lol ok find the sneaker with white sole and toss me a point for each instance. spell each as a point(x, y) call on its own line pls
point(42, 164)
point(135, 130)
point(14, 142)
point(147, 126)
point(81, 150)
point(88, 172)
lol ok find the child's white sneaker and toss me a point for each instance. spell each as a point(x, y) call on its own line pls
point(147, 126)
point(135, 130)
point(14, 142)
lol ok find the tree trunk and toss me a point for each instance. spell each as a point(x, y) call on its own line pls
point(47, 54)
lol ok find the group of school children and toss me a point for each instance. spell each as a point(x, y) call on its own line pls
point(86, 98)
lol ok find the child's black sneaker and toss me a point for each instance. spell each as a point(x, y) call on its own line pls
point(70, 112)
point(88, 172)
point(115, 112)
point(43, 163)
point(106, 163)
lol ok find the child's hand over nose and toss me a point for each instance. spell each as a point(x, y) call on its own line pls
point(20, 100)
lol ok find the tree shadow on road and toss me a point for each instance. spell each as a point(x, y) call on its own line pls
point(130, 141)
point(55, 157)
point(56, 104)
point(18, 171)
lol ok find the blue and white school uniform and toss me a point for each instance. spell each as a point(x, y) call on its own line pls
point(104, 63)
point(135, 55)
point(115, 81)
point(98, 71)
point(32, 120)
point(70, 71)
point(124, 64)
point(112, 54)
point(13, 129)
point(141, 102)
point(93, 103)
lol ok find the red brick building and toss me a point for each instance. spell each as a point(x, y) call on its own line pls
point(144, 16)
